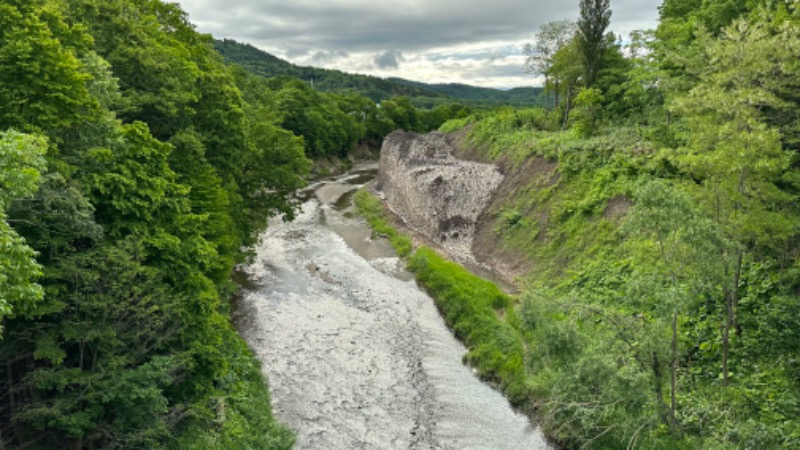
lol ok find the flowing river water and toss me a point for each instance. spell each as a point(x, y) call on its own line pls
point(356, 354)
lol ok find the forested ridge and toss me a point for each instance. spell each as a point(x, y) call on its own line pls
point(264, 64)
point(421, 95)
point(653, 220)
point(519, 97)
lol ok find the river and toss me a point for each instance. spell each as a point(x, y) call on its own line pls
point(356, 354)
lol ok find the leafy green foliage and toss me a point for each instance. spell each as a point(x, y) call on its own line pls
point(43, 89)
point(21, 160)
point(58, 220)
point(155, 180)
point(587, 106)
point(326, 129)
point(131, 185)
point(540, 56)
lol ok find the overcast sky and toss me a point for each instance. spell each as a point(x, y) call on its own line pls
point(475, 42)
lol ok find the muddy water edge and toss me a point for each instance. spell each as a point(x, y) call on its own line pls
point(356, 354)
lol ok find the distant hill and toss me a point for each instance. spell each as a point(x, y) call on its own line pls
point(519, 97)
point(378, 89)
point(262, 63)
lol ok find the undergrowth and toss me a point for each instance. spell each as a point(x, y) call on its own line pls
point(596, 313)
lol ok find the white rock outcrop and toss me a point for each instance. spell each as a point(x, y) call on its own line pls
point(436, 194)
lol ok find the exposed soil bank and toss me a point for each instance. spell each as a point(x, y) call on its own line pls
point(447, 195)
point(436, 194)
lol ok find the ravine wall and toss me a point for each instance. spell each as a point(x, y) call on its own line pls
point(436, 194)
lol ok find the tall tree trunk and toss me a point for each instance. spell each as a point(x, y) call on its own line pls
point(676, 429)
point(547, 91)
point(568, 106)
point(659, 391)
point(737, 269)
point(12, 402)
point(737, 275)
point(558, 88)
point(731, 300)
point(726, 334)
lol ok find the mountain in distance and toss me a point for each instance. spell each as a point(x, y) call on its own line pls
point(519, 96)
point(267, 65)
point(378, 89)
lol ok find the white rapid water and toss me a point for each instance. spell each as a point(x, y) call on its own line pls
point(356, 354)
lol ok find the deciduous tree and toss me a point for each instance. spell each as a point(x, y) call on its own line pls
point(21, 161)
point(550, 38)
point(595, 16)
point(736, 154)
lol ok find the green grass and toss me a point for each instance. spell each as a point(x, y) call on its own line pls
point(472, 307)
point(370, 208)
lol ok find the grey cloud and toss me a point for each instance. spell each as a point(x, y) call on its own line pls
point(390, 59)
point(321, 31)
point(324, 57)
point(406, 25)
point(373, 26)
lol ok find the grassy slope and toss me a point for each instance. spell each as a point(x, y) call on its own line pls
point(564, 196)
point(562, 219)
point(574, 347)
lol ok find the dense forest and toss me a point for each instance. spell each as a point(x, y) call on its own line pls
point(656, 222)
point(486, 98)
point(136, 166)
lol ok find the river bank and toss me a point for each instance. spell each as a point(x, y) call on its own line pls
point(357, 355)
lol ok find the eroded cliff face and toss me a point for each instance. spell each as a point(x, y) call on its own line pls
point(436, 194)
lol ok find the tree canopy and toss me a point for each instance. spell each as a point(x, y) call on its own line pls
point(654, 218)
